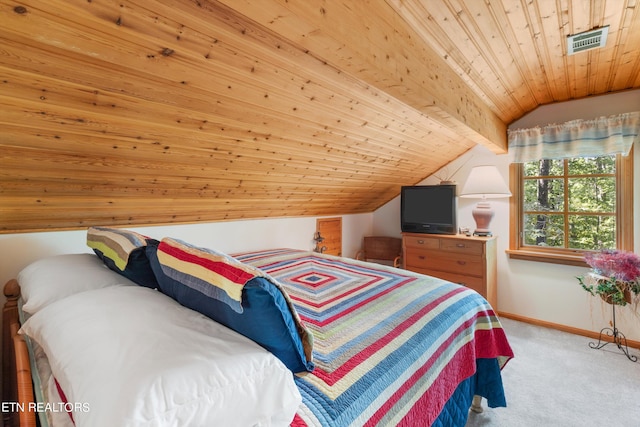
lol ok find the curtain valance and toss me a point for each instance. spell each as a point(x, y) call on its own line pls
point(576, 138)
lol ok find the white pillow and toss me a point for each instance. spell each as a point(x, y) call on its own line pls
point(131, 356)
point(50, 279)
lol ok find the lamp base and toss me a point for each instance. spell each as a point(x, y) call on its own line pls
point(482, 214)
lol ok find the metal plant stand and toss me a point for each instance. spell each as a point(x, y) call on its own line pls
point(618, 338)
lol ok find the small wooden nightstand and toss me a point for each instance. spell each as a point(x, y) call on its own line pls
point(469, 261)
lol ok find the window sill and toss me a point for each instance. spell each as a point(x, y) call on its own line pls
point(575, 259)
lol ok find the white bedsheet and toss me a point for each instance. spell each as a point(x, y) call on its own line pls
point(130, 356)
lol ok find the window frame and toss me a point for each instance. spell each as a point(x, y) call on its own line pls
point(624, 218)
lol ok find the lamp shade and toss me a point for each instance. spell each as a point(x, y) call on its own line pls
point(485, 182)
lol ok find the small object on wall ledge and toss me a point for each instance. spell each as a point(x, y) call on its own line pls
point(319, 239)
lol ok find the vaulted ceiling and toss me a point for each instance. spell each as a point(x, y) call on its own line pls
point(159, 111)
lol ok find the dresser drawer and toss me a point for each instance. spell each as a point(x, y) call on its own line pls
point(462, 246)
point(475, 283)
point(422, 242)
point(469, 261)
point(454, 263)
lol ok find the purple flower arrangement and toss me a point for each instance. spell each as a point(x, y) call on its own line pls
point(621, 265)
point(615, 275)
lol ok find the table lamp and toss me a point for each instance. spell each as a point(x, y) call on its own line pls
point(484, 182)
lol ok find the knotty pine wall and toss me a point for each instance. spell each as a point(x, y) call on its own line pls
point(154, 112)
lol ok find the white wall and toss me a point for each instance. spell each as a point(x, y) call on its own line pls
point(541, 291)
point(18, 250)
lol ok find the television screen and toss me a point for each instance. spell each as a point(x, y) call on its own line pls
point(429, 209)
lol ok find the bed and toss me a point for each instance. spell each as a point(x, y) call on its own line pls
point(339, 342)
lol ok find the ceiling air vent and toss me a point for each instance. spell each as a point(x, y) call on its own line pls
point(588, 40)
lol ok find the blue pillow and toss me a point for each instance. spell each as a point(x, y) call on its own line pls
point(266, 316)
point(124, 252)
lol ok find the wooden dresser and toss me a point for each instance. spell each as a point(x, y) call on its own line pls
point(470, 261)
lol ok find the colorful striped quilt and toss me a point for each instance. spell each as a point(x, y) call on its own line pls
point(390, 346)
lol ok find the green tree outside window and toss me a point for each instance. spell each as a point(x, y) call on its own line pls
point(570, 204)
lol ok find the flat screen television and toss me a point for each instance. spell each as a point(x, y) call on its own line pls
point(429, 209)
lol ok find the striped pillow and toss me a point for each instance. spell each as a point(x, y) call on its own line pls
point(237, 295)
point(123, 251)
point(207, 271)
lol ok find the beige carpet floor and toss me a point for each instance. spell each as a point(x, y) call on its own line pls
point(556, 380)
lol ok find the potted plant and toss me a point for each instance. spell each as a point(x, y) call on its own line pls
point(614, 276)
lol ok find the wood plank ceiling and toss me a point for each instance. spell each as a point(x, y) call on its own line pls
point(158, 111)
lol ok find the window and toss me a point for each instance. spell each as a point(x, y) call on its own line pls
point(564, 207)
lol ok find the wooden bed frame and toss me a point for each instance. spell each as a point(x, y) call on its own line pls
point(17, 385)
